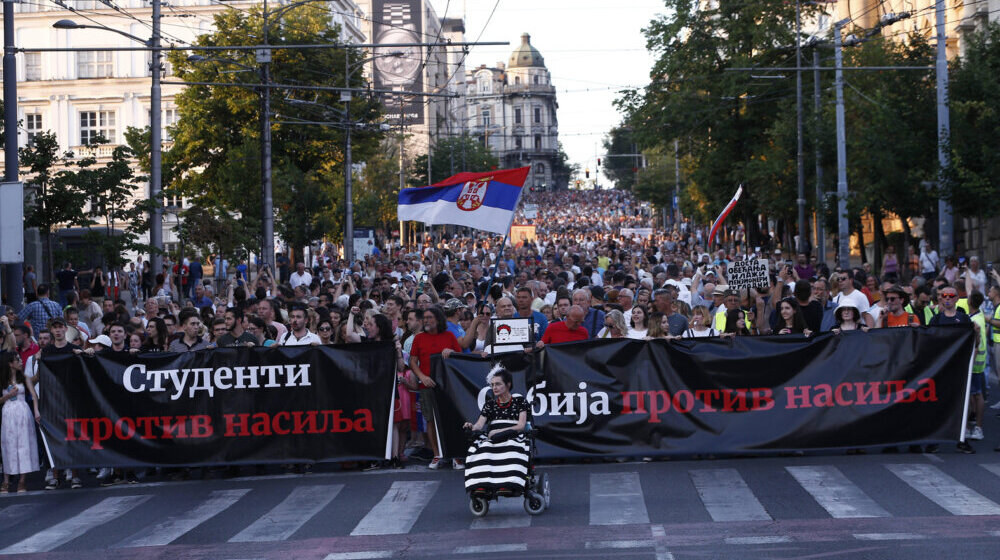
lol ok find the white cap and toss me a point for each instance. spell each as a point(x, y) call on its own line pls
point(101, 339)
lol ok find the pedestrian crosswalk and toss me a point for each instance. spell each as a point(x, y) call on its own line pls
point(622, 495)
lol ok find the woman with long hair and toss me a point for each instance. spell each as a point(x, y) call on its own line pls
point(614, 325)
point(790, 320)
point(736, 323)
point(655, 328)
point(324, 329)
point(157, 338)
point(639, 320)
point(18, 443)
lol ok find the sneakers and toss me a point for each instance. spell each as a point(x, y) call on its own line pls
point(104, 473)
point(435, 464)
point(975, 433)
point(75, 483)
point(131, 478)
point(373, 466)
point(964, 447)
point(52, 484)
point(458, 464)
point(112, 480)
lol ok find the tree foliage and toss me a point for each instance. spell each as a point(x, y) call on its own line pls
point(216, 156)
point(973, 184)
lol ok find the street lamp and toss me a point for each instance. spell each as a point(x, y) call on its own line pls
point(179, 231)
point(155, 148)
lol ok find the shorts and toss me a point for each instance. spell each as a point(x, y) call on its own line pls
point(428, 404)
point(978, 383)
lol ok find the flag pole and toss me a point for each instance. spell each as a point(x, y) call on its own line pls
point(503, 245)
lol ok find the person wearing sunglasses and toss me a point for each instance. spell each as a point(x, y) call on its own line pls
point(325, 331)
point(950, 314)
point(894, 314)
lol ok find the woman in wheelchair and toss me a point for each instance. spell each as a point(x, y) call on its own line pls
point(498, 460)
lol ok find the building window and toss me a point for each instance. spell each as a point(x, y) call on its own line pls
point(517, 115)
point(32, 67)
point(536, 79)
point(538, 115)
point(517, 80)
point(485, 117)
point(485, 84)
point(32, 126)
point(168, 118)
point(517, 143)
point(538, 141)
point(94, 64)
point(97, 123)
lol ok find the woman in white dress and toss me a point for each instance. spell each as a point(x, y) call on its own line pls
point(18, 445)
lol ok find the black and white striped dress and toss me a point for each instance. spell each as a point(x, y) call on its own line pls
point(491, 466)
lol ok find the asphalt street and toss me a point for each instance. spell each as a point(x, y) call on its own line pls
point(878, 506)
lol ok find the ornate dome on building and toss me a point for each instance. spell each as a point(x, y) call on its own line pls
point(526, 56)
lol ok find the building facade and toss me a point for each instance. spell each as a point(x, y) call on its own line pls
point(511, 108)
point(80, 95)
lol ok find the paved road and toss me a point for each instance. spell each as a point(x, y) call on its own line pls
point(870, 506)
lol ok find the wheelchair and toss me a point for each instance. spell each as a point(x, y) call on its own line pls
point(535, 490)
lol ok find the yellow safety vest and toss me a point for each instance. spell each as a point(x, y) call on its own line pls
point(979, 363)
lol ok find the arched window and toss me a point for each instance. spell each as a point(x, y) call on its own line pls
point(517, 80)
point(536, 79)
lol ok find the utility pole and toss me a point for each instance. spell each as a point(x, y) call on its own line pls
point(843, 227)
point(348, 176)
point(155, 146)
point(820, 247)
point(13, 285)
point(799, 156)
point(946, 226)
point(674, 209)
point(267, 201)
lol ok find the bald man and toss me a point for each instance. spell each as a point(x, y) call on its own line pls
point(570, 330)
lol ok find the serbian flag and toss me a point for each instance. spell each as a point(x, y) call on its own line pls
point(722, 217)
point(483, 201)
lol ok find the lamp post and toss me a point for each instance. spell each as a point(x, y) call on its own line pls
point(179, 231)
point(155, 126)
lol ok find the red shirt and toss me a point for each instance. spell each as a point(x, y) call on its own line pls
point(31, 350)
point(558, 332)
point(427, 344)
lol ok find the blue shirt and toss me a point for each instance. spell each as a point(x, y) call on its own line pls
point(539, 323)
point(593, 321)
point(459, 332)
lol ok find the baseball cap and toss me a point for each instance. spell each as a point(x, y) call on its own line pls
point(101, 339)
point(720, 290)
point(453, 304)
point(731, 292)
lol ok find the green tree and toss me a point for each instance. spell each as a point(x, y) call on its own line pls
point(56, 203)
point(217, 139)
point(562, 169)
point(620, 165)
point(973, 184)
point(454, 155)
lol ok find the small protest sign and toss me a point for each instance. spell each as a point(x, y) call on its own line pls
point(749, 273)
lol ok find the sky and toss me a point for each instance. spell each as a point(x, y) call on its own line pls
point(592, 49)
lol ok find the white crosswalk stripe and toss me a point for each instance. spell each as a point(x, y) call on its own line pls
point(284, 519)
point(104, 511)
point(399, 509)
point(835, 493)
point(617, 499)
point(944, 490)
point(726, 496)
point(172, 528)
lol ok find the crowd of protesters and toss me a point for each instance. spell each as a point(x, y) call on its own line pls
point(578, 279)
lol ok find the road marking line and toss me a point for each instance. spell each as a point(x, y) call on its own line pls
point(365, 555)
point(944, 490)
point(933, 457)
point(659, 535)
point(177, 526)
point(620, 544)
point(489, 548)
point(994, 533)
point(888, 536)
point(758, 540)
point(290, 515)
point(835, 493)
point(65, 531)
point(399, 509)
point(992, 467)
point(616, 499)
point(726, 496)
point(504, 514)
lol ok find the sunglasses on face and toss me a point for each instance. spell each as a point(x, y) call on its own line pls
point(948, 296)
point(325, 329)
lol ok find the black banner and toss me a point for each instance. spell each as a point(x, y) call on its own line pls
point(222, 406)
point(774, 394)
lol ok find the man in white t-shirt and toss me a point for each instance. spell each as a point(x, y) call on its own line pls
point(298, 334)
point(848, 295)
point(300, 277)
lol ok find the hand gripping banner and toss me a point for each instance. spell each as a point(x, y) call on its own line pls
point(761, 394)
point(221, 406)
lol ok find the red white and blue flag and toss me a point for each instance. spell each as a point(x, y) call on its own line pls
point(485, 201)
point(722, 217)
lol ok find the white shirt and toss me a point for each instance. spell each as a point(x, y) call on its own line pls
point(290, 340)
point(636, 334)
point(300, 279)
point(856, 298)
point(691, 333)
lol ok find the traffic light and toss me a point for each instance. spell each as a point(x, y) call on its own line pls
point(586, 173)
point(598, 162)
